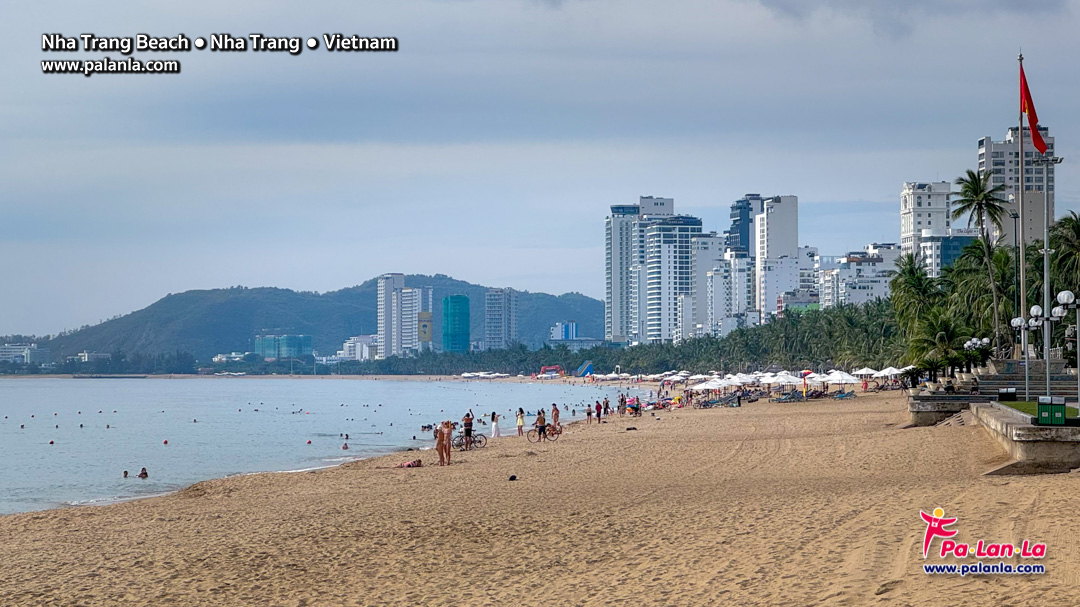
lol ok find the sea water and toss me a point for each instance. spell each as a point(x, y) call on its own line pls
point(217, 427)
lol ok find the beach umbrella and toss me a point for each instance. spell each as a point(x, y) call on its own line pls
point(864, 371)
point(839, 377)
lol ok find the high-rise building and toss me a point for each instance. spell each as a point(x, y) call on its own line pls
point(740, 237)
point(398, 316)
point(706, 254)
point(776, 236)
point(500, 319)
point(388, 336)
point(668, 272)
point(456, 324)
point(1002, 160)
point(625, 248)
point(923, 206)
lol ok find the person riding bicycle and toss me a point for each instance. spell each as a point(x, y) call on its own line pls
point(541, 425)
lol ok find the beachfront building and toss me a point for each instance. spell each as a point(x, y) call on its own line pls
point(562, 331)
point(456, 324)
point(24, 354)
point(923, 206)
point(860, 276)
point(775, 277)
point(1002, 160)
point(740, 238)
point(625, 247)
point(278, 347)
point(500, 319)
point(808, 257)
point(799, 300)
point(398, 314)
point(939, 249)
point(706, 254)
point(776, 236)
point(360, 347)
point(668, 272)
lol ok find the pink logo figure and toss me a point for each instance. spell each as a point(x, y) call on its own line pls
point(935, 527)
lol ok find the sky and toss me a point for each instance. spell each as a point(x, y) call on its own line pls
point(492, 144)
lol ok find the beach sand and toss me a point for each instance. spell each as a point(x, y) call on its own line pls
point(791, 504)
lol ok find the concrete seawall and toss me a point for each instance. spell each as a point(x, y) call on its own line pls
point(1034, 449)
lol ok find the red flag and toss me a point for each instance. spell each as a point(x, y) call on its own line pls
point(1028, 107)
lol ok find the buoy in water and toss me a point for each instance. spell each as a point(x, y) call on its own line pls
point(165, 442)
point(50, 442)
point(309, 442)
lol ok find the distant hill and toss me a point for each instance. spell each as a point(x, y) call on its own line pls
point(205, 323)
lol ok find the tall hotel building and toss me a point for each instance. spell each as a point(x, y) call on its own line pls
point(923, 206)
point(625, 249)
point(500, 319)
point(1002, 160)
point(398, 313)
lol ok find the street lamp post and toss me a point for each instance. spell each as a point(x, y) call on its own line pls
point(1068, 302)
point(1016, 261)
point(1022, 327)
point(1045, 161)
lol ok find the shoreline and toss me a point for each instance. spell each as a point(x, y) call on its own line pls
point(771, 503)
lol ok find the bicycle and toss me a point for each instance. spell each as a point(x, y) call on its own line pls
point(550, 431)
point(479, 441)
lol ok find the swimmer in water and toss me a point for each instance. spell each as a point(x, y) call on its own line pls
point(345, 446)
point(143, 474)
point(125, 473)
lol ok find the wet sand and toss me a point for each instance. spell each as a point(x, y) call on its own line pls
point(796, 504)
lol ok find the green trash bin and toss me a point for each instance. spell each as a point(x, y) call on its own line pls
point(1045, 416)
point(1057, 415)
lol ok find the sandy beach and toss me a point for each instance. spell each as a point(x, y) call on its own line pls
point(793, 504)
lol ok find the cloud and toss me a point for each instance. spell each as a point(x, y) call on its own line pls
point(900, 17)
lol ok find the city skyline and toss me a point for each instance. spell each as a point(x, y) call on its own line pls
point(177, 181)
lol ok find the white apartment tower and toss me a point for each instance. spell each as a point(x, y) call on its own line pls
point(386, 334)
point(923, 206)
point(397, 316)
point(776, 231)
point(668, 272)
point(625, 247)
point(706, 254)
point(1002, 160)
point(500, 319)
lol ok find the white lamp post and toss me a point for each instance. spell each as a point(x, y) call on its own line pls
point(1021, 327)
point(1068, 302)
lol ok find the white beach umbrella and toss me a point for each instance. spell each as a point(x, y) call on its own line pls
point(864, 371)
point(839, 377)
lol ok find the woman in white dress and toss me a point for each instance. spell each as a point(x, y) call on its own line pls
point(495, 424)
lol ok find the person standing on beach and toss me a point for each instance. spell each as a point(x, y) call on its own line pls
point(495, 424)
point(466, 425)
point(599, 409)
point(554, 415)
point(521, 421)
point(588, 415)
point(541, 426)
point(446, 434)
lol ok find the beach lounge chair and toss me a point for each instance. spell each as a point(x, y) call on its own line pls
point(845, 395)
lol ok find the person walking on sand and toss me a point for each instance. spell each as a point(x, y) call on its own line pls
point(466, 427)
point(554, 415)
point(495, 424)
point(607, 408)
point(588, 415)
point(541, 426)
point(521, 421)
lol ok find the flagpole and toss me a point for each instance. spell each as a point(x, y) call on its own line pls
point(1023, 241)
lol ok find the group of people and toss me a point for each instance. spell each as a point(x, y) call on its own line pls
point(142, 474)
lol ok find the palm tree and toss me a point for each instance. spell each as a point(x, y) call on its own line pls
point(914, 293)
point(981, 203)
point(1065, 241)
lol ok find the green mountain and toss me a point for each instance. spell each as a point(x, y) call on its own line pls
point(208, 322)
